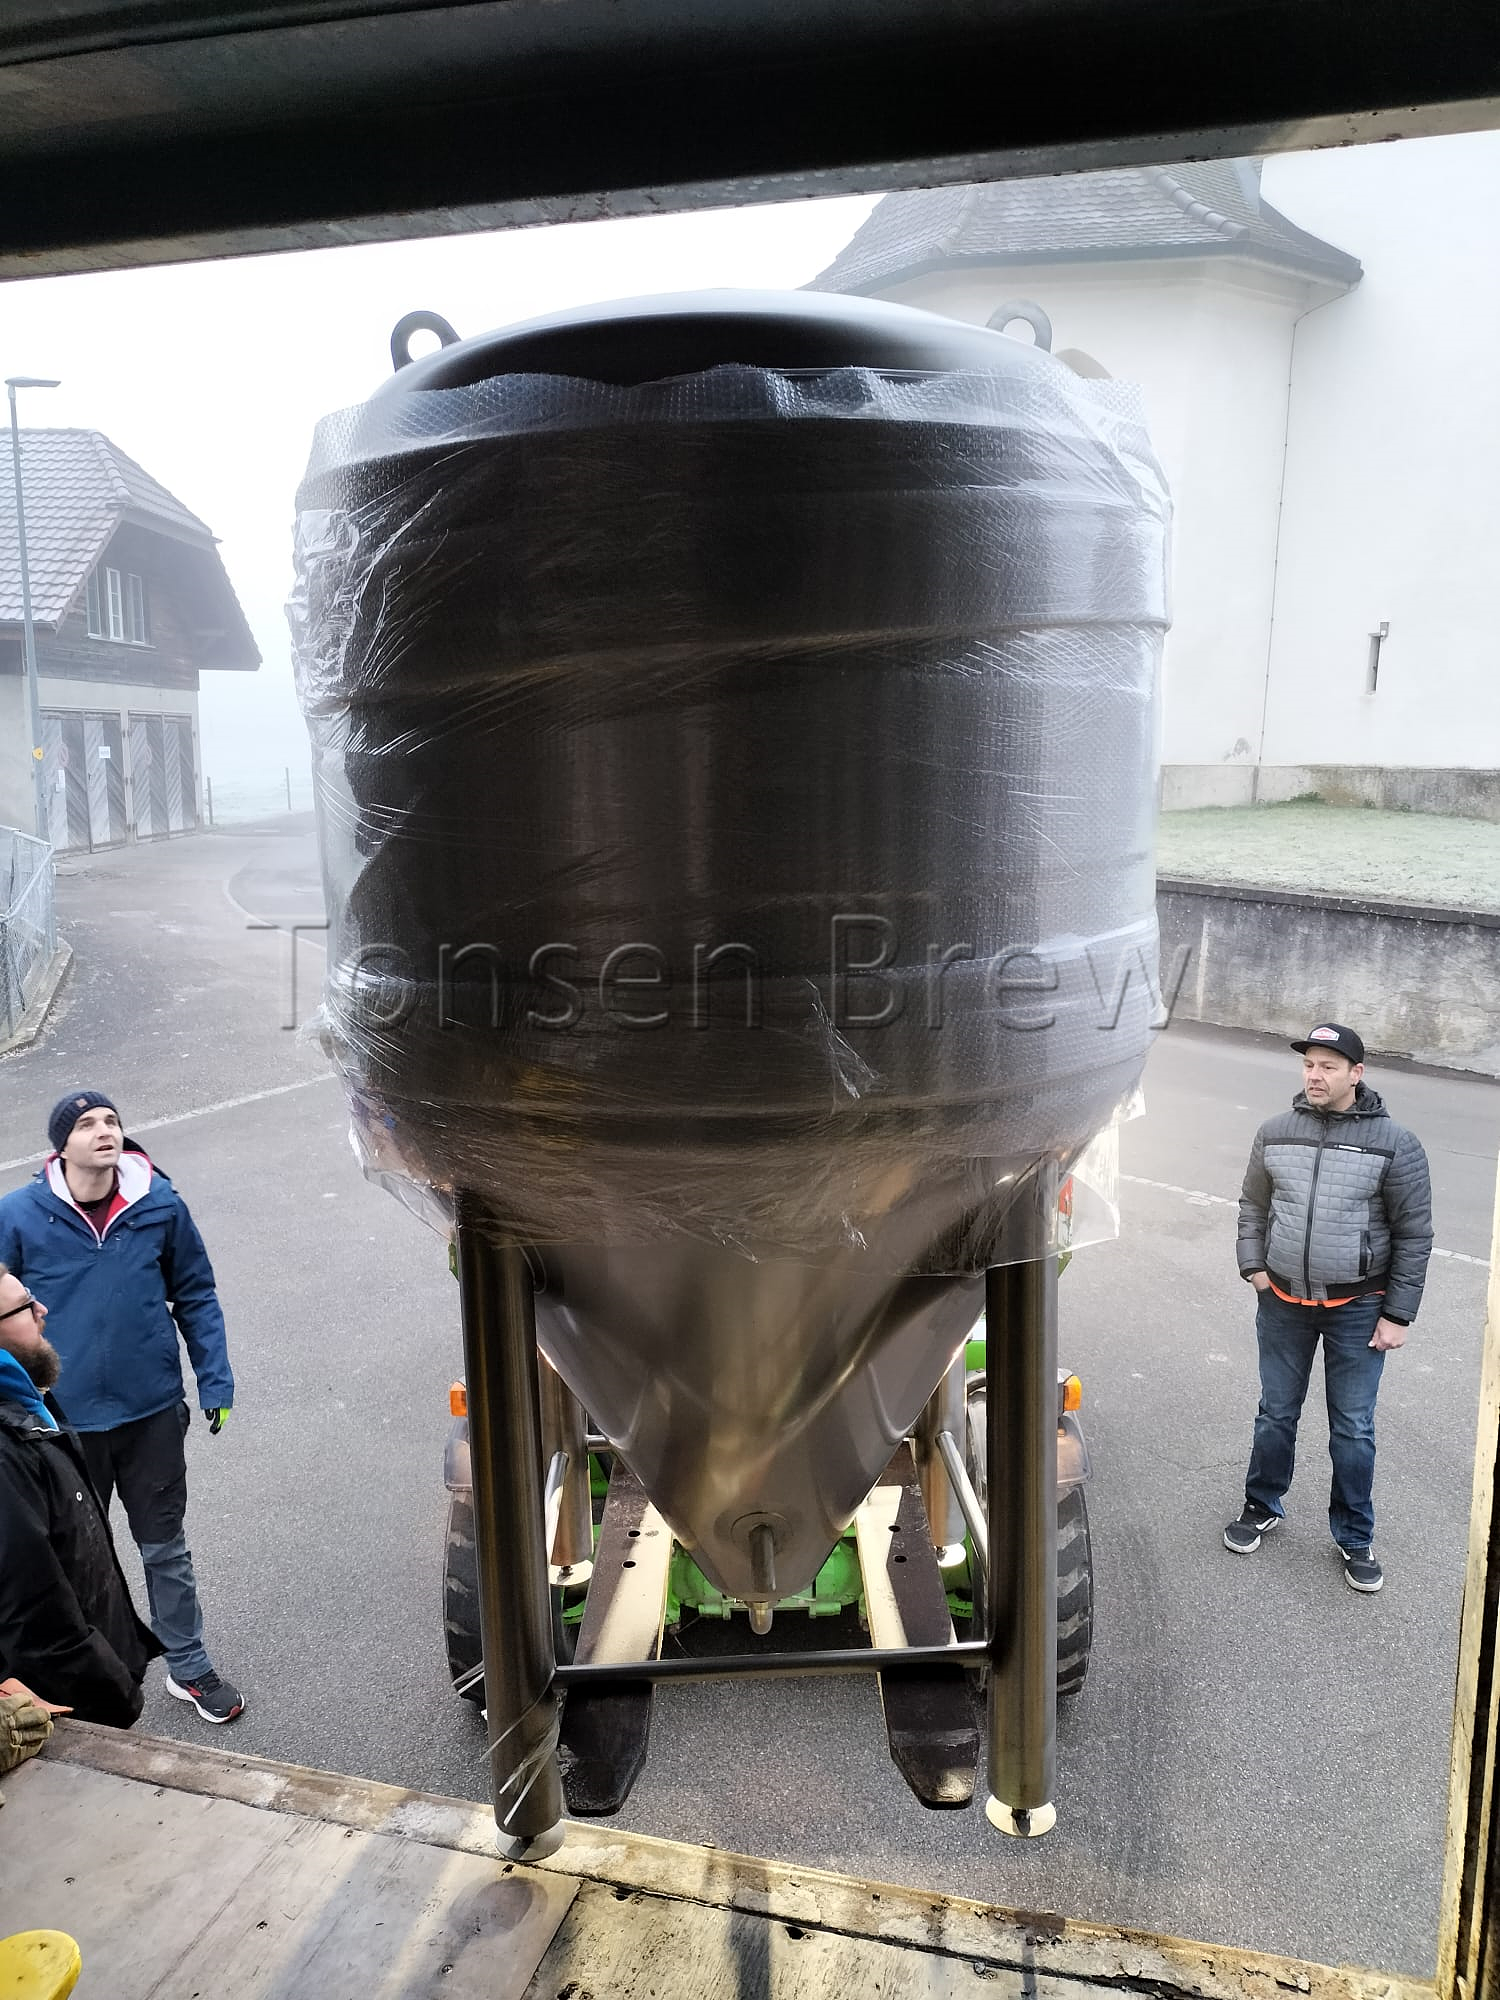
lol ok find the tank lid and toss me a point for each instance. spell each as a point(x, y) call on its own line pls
point(629, 341)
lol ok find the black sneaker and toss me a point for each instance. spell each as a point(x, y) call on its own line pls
point(1243, 1535)
point(1361, 1571)
point(215, 1700)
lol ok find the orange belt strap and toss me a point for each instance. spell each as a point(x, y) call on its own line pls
point(1292, 1300)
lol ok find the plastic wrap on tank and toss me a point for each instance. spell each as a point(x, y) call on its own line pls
point(736, 796)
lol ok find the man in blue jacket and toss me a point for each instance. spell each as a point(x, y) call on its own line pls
point(107, 1241)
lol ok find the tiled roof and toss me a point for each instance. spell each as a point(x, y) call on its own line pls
point(78, 488)
point(1211, 209)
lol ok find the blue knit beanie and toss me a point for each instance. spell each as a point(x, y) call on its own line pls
point(68, 1110)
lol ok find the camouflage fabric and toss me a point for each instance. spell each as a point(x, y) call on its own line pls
point(24, 1728)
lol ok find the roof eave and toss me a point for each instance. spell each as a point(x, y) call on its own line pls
point(1326, 255)
point(230, 620)
point(1345, 272)
point(175, 531)
point(247, 664)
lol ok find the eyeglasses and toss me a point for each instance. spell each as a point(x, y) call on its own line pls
point(28, 1304)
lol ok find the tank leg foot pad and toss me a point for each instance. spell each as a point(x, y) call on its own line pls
point(530, 1846)
point(1025, 1822)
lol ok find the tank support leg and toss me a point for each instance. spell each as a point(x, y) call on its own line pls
point(1021, 1345)
point(505, 1444)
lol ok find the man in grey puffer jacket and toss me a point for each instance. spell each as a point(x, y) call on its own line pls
point(1335, 1234)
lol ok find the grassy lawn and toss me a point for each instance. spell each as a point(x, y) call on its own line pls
point(1348, 850)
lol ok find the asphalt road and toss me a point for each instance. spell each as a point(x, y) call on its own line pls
point(1260, 1755)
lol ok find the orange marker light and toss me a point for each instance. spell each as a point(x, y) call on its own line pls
point(1072, 1394)
point(458, 1400)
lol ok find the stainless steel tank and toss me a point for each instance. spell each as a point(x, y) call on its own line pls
point(734, 726)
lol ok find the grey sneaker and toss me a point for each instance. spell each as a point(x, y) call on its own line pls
point(215, 1700)
point(1361, 1571)
point(1243, 1535)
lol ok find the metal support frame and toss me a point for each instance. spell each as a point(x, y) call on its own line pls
point(764, 1666)
point(944, 1411)
point(570, 1548)
point(552, 1497)
point(505, 1447)
point(1020, 1304)
point(968, 1500)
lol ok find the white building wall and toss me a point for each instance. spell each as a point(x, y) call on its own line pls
point(17, 797)
point(1209, 343)
point(125, 699)
point(102, 697)
point(117, 698)
point(1392, 509)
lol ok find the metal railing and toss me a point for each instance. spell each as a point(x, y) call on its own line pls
point(240, 797)
point(28, 923)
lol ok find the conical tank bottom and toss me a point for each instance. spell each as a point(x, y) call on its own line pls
point(750, 1393)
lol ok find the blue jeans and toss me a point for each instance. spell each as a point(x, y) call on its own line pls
point(146, 1463)
point(1288, 1337)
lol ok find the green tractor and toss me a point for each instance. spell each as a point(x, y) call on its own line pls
point(839, 1586)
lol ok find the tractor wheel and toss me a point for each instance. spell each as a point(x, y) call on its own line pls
point(461, 1594)
point(1075, 1564)
point(1075, 1591)
point(461, 1600)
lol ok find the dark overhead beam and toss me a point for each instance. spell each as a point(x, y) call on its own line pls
point(151, 130)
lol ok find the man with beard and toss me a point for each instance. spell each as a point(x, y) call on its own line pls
point(105, 1238)
point(68, 1629)
point(1335, 1233)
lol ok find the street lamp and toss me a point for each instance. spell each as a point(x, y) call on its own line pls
point(28, 630)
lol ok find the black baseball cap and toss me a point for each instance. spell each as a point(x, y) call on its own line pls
point(1329, 1035)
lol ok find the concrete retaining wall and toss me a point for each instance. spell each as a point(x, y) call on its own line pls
point(1416, 982)
point(1450, 790)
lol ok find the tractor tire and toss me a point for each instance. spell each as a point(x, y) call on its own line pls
point(1075, 1565)
point(461, 1594)
point(461, 1600)
point(1075, 1591)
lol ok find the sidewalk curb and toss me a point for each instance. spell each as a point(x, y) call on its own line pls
point(35, 1017)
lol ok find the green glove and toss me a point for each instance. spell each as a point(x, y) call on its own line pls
point(24, 1728)
point(216, 1421)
